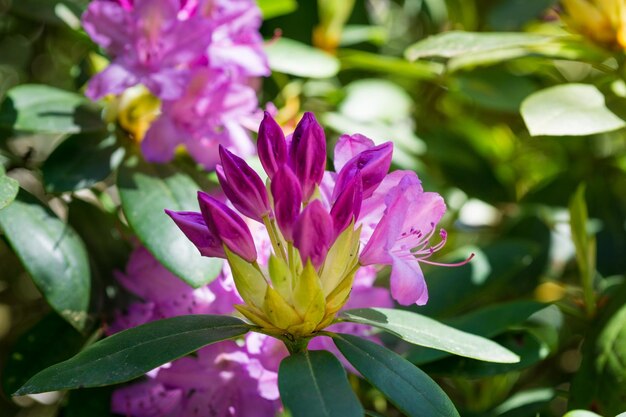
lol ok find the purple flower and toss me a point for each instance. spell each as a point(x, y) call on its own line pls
point(317, 221)
point(271, 145)
point(197, 56)
point(307, 154)
point(152, 46)
point(213, 110)
point(312, 234)
point(226, 224)
point(243, 186)
point(287, 200)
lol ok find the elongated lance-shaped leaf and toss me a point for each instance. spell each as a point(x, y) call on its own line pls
point(424, 331)
point(406, 386)
point(133, 352)
point(314, 384)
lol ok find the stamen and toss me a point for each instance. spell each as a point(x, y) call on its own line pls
point(469, 258)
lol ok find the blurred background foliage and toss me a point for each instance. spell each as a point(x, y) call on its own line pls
point(468, 109)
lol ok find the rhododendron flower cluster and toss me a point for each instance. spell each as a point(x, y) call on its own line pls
point(224, 379)
point(323, 226)
point(199, 57)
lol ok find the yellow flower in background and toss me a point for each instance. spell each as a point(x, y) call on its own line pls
point(134, 110)
point(602, 21)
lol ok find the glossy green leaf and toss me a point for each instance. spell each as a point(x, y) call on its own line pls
point(526, 345)
point(314, 384)
point(406, 386)
point(146, 190)
point(8, 189)
point(275, 8)
point(50, 341)
point(81, 161)
point(420, 330)
point(456, 43)
point(52, 253)
point(295, 58)
point(133, 352)
point(568, 110)
point(41, 108)
point(486, 322)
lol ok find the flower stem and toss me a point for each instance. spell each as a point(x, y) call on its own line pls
point(295, 346)
point(270, 225)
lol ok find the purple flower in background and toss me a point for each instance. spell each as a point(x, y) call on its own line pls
point(198, 57)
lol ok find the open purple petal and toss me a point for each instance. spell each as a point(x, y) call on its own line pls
point(407, 282)
point(372, 163)
point(348, 146)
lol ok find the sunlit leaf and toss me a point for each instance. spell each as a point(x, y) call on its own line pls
point(295, 58)
point(8, 189)
point(568, 110)
point(420, 330)
point(41, 108)
point(456, 43)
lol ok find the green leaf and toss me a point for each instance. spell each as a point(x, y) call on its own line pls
point(568, 110)
point(374, 98)
point(314, 384)
point(45, 109)
point(424, 331)
point(486, 322)
point(133, 352)
point(146, 190)
point(275, 8)
point(585, 246)
point(389, 65)
point(457, 43)
point(49, 341)
point(581, 413)
point(406, 386)
point(52, 253)
point(295, 58)
point(526, 345)
point(81, 161)
point(8, 189)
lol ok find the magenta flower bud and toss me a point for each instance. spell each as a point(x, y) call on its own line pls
point(348, 204)
point(225, 223)
point(287, 200)
point(193, 226)
point(312, 233)
point(308, 154)
point(243, 186)
point(271, 145)
point(372, 163)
